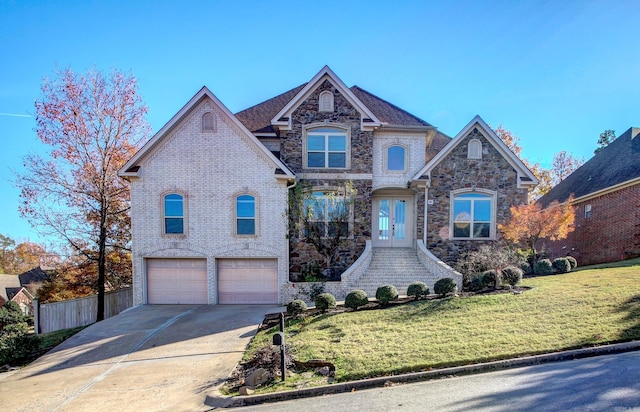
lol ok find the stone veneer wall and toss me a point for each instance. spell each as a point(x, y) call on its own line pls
point(359, 173)
point(456, 171)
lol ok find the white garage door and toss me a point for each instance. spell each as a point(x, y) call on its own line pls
point(177, 281)
point(243, 281)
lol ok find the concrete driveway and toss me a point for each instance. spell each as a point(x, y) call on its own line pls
point(148, 358)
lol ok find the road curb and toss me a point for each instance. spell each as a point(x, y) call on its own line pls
point(240, 401)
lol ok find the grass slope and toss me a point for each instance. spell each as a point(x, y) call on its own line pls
point(577, 309)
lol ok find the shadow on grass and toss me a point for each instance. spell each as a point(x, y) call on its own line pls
point(632, 309)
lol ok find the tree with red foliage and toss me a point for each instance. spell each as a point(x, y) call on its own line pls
point(92, 124)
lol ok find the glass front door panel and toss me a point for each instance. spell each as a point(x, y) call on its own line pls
point(383, 219)
point(399, 224)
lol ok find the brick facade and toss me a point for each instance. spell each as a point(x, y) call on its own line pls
point(609, 234)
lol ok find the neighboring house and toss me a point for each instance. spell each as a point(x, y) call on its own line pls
point(606, 192)
point(209, 192)
point(11, 289)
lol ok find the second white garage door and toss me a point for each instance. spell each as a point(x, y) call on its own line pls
point(246, 281)
point(177, 281)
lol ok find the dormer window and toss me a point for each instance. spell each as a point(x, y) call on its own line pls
point(208, 122)
point(325, 102)
point(474, 149)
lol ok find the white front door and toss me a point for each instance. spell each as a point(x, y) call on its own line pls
point(392, 223)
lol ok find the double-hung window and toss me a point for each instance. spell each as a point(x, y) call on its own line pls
point(326, 148)
point(326, 215)
point(173, 214)
point(473, 216)
point(245, 215)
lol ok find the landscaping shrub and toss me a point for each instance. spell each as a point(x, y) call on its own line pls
point(512, 275)
point(490, 278)
point(562, 265)
point(325, 301)
point(543, 267)
point(386, 293)
point(418, 290)
point(17, 344)
point(11, 314)
point(572, 261)
point(444, 286)
point(355, 299)
point(296, 307)
point(476, 284)
point(486, 258)
point(526, 268)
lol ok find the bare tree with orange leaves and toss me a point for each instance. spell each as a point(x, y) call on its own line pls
point(530, 223)
point(92, 123)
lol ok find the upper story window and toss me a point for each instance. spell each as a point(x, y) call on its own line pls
point(245, 215)
point(587, 211)
point(326, 148)
point(173, 214)
point(396, 158)
point(327, 214)
point(325, 102)
point(208, 122)
point(473, 215)
point(474, 149)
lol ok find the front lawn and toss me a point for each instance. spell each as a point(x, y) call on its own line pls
point(578, 309)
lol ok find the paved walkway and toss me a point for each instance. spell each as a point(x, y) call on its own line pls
point(160, 358)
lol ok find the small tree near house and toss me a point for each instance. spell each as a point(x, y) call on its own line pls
point(530, 223)
point(321, 219)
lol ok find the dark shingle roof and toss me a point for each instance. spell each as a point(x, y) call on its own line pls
point(258, 118)
point(615, 164)
point(34, 275)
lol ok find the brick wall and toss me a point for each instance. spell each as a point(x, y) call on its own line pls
point(611, 233)
point(209, 169)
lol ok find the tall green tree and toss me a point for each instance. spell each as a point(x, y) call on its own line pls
point(92, 123)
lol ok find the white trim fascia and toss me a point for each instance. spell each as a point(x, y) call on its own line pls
point(520, 168)
point(325, 73)
point(386, 127)
point(157, 138)
point(607, 190)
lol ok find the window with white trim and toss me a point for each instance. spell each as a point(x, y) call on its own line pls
point(173, 214)
point(396, 158)
point(245, 215)
point(474, 149)
point(587, 211)
point(325, 102)
point(327, 213)
point(326, 148)
point(473, 215)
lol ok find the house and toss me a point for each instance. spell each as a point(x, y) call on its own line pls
point(210, 193)
point(606, 192)
point(12, 290)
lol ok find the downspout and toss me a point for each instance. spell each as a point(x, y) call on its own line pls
point(426, 214)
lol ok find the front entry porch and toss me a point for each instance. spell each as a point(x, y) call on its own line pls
point(393, 219)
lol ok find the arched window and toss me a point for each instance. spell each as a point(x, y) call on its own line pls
point(473, 215)
point(245, 215)
point(474, 149)
point(326, 147)
point(208, 122)
point(325, 102)
point(396, 158)
point(173, 214)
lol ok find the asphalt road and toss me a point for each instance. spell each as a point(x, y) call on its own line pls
point(604, 383)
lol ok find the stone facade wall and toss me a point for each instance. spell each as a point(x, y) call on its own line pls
point(456, 171)
point(611, 233)
point(209, 169)
point(361, 167)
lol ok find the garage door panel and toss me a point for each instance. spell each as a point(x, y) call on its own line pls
point(244, 281)
point(177, 281)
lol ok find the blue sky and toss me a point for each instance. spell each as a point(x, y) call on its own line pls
point(556, 73)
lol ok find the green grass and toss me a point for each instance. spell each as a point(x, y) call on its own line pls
point(52, 339)
point(578, 309)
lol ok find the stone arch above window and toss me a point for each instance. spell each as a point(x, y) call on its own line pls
point(474, 149)
point(325, 102)
point(208, 122)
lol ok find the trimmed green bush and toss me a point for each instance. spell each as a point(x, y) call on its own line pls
point(386, 293)
point(355, 299)
point(477, 284)
point(445, 286)
point(325, 301)
point(10, 314)
point(512, 275)
point(17, 344)
point(418, 290)
point(543, 267)
point(572, 261)
point(490, 278)
point(562, 265)
point(296, 307)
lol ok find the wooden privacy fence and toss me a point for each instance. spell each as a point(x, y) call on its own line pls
point(50, 317)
